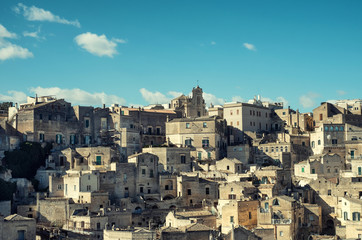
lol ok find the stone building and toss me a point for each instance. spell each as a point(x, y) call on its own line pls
point(246, 117)
point(295, 119)
point(172, 159)
point(206, 136)
point(229, 165)
point(283, 214)
point(194, 190)
point(128, 234)
point(322, 165)
point(242, 213)
point(353, 105)
point(17, 227)
point(151, 123)
point(193, 106)
point(328, 138)
point(147, 182)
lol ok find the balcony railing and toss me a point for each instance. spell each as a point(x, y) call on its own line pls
point(281, 221)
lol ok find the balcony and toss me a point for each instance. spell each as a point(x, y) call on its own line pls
point(281, 221)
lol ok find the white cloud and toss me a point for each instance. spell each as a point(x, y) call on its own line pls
point(4, 33)
point(308, 100)
point(118, 40)
point(98, 45)
point(9, 51)
point(33, 34)
point(13, 96)
point(341, 92)
point(38, 14)
point(213, 43)
point(154, 97)
point(174, 94)
point(210, 98)
point(249, 46)
point(78, 96)
point(237, 99)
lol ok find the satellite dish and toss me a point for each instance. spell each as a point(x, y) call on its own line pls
point(329, 137)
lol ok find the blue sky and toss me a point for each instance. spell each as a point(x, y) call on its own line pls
point(141, 52)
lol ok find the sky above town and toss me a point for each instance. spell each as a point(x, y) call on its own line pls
point(145, 52)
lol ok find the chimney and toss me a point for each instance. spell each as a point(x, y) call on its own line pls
point(104, 106)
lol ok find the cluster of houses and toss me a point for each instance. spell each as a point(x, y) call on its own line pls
point(255, 170)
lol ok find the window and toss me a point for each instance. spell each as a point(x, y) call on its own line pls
point(49, 117)
point(187, 125)
point(98, 160)
point(266, 149)
point(232, 196)
point(41, 137)
point(249, 215)
point(158, 131)
point(237, 112)
point(58, 138)
point(331, 128)
point(326, 128)
point(312, 144)
point(313, 171)
point(227, 167)
point(341, 128)
point(231, 219)
point(199, 155)
point(352, 154)
point(183, 159)
point(89, 188)
point(205, 142)
point(72, 139)
point(87, 123)
point(143, 171)
point(59, 187)
point(334, 141)
point(237, 123)
point(281, 234)
point(104, 123)
point(345, 215)
point(188, 142)
point(231, 112)
point(281, 148)
point(356, 216)
point(359, 170)
point(319, 142)
point(204, 125)
point(21, 235)
point(141, 189)
point(329, 192)
point(207, 190)
point(276, 202)
point(189, 191)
